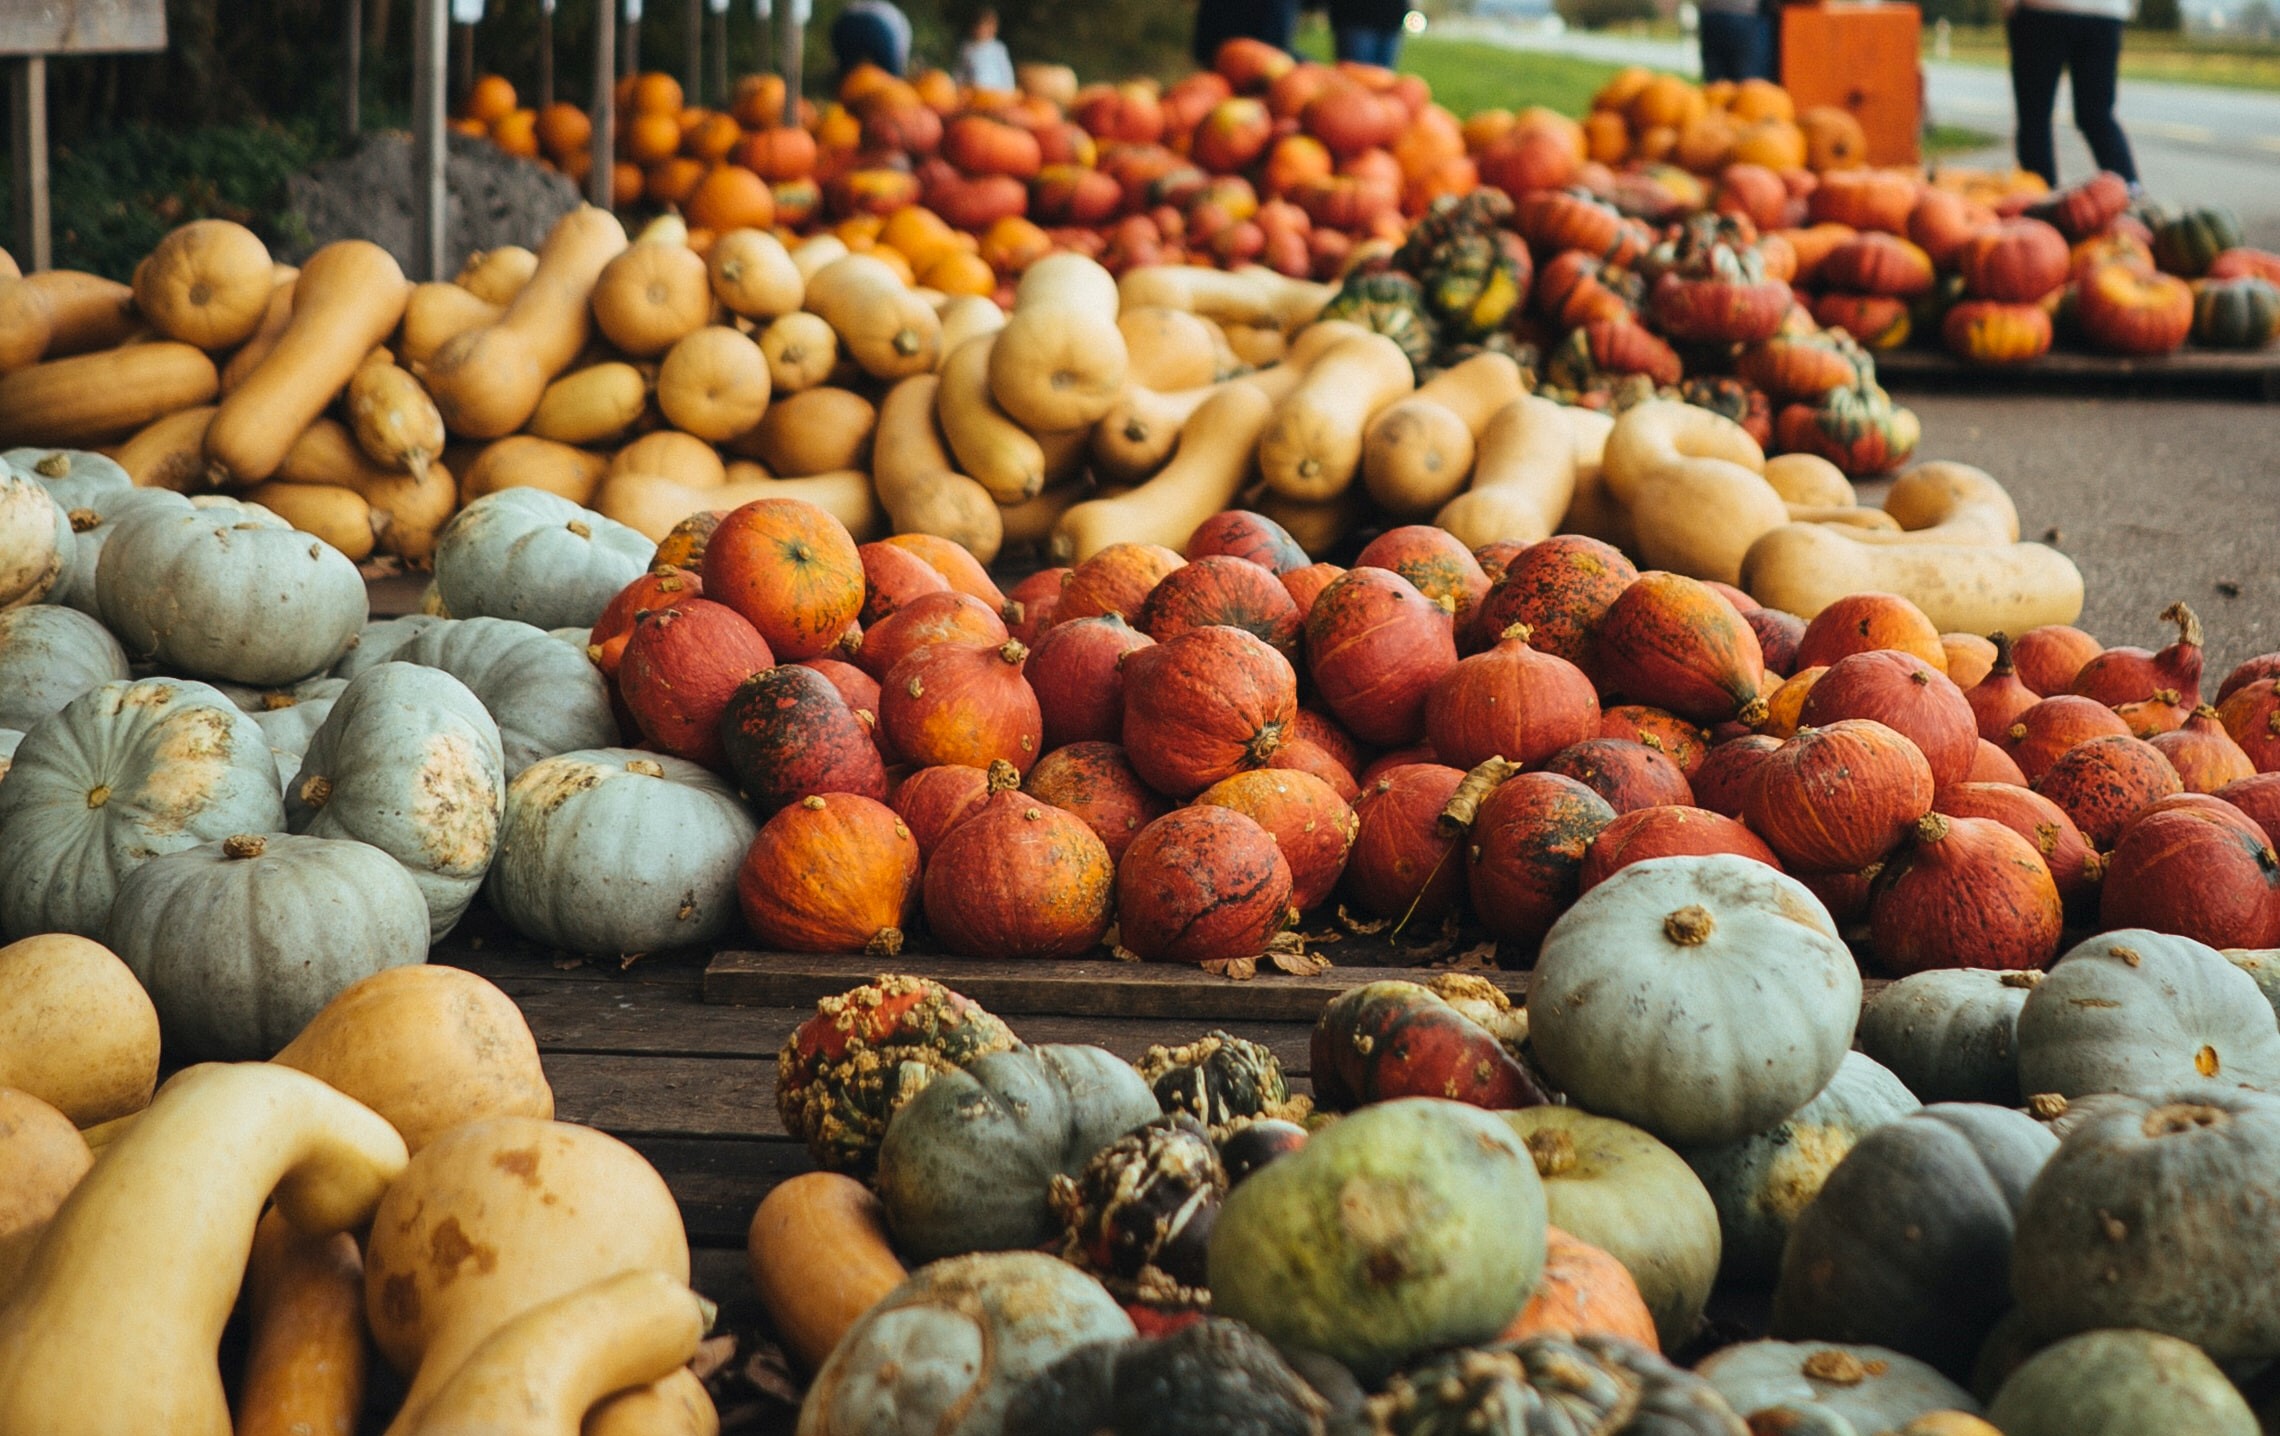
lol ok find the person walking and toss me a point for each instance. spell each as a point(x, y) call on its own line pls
point(2081, 39)
point(983, 61)
point(1736, 38)
point(1218, 21)
point(1368, 32)
point(873, 31)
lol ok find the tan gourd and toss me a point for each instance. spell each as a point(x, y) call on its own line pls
point(752, 274)
point(348, 299)
point(436, 314)
point(1000, 455)
point(1312, 447)
point(1593, 511)
point(714, 384)
point(1253, 296)
point(496, 276)
point(169, 453)
point(27, 324)
point(1060, 361)
point(1319, 527)
point(1035, 521)
point(671, 454)
point(1693, 485)
point(1254, 345)
point(77, 1030)
point(339, 516)
point(42, 1157)
point(592, 405)
point(207, 283)
point(1523, 478)
point(148, 1250)
point(882, 325)
point(1808, 480)
point(801, 351)
point(820, 1256)
point(1946, 502)
point(1214, 457)
point(813, 255)
point(521, 461)
point(86, 312)
point(428, 1047)
point(920, 489)
point(1170, 349)
point(407, 510)
point(813, 433)
point(676, 1405)
point(305, 1366)
point(487, 381)
point(1136, 436)
point(651, 297)
point(496, 1217)
point(249, 355)
point(1961, 587)
point(1418, 451)
point(964, 316)
point(395, 421)
point(90, 398)
point(652, 504)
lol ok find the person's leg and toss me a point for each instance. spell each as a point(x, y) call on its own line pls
point(1756, 58)
point(1381, 48)
point(1722, 45)
point(2093, 62)
point(858, 37)
point(2037, 57)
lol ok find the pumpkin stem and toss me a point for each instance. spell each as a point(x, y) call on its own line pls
point(244, 845)
point(2047, 1106)
point(814, 803)
point(1553, 1151)
point(1752, 713)
point(53, 466)
point(1690, 926)
point(1838, 1368)
point(1463, 807)
point(1932, 828)
point(2188, 624)
point(316, 790)
point(83, 520)
point(886, 942)
point(1015, 651)
point(1263, 746)
point(2002, 667)
point(2028, 979)
point(1520, 631)
point(98, 795)
point(646, 768)
point(2169, 696)
point(1004, 777)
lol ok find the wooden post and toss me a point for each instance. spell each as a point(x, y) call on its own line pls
point(629, 62)
point(545, 55)
point(27, 118)
point(791, 48)
point(352, 77)
point(462, 62)
point(717, 45)
point(693, 80)
point(601, 187)
point(431, 25)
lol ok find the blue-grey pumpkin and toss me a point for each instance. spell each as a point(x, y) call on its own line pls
point(546, 697)
point(2120, 1383)
point(379, 640)
point(527, 554)
point(1951, 1033)
point(93, 522)
point(2135, 1011)
point(1873, 1387)
point(50, 655)
point(35, 536)
point(75, 477)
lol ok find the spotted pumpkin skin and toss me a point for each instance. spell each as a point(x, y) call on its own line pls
point(928, 619)
point(1021, 878)
point(2074, 866)
point(1836, 799)
point(963, 703)
point(1722, 784)
point(1252, 537)
point(786, 733)
point(1525, 862)
point(1403, 866)
point(1684, 743)
point(1118, 580)
point(1375, 646)
point(934, 800)
point(1077, 671)
point(1202, 884)
point(1222, 589)
point(831, 873)
point(1435, 562)
point(1671, 641)
point(1629, 776)
point(892, 577)
point(1668, 832)
point(1308, 820)
point(791, 569)
point(1096, 782)
point(1968, 892)
point(661, 587)
point(2104, 783)
point(1209, 704)
point(680, 668)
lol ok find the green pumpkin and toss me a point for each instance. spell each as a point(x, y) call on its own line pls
point(2120, 1383)
point(1951, 1034)
point(380, 639)
point(1610, 1184)
point(948, 1351)
point(545, 697)
point(1762, 1182)
point(240, 942)
point(35, 540)
point(2157, 1212)
point(2188, 242)
point(1859, 429)
point(123, 773)
point(2239, 313)
point(1473, 282)
point(1873, 1388)
point(1390, 303)
point(1702, 998)
point(1908, 1244)
point(1408, 1225)
point(50, 655)
point(290, 717)
point(530, 555)
point(1214, 1376)
point(1549, 1386)
point(2131, 1011)
point(407, 760)
point(226, 592)
point(612, 852)
point(968, 1162)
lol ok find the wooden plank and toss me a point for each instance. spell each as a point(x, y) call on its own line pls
point(79, 27)
point(601, 187)
point(28, 154)
point(2248, 372)
point(430, 203)
point(720, 1181)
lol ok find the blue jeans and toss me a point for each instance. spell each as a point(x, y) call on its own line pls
point(1369, 46)
point(1736, 46)
point(861, 36)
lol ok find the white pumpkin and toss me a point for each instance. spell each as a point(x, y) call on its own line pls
point(288, 716)
point(72, 476)
point(34, 537)
point(48, 656)
point(1702, 998)
point(379, 640)
point(1869, 1386)
point(546, 697)
point(92, 523)
point(527, 554)
point(2134, 1011)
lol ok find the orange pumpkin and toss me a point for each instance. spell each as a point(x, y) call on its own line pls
point(1584, 1291)
point(1864, 199)
point(1836, 799)
point(1986, 332)
point(791, 569)
point(962, 703)
point(2125, 310)
point(1834, 139)
point(679, 667)
point(980, 145)
point(835, 873)
point(1018, 878)
point(778, 153)
point(731, 197)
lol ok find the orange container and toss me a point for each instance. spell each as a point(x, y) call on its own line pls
point(1864, 58)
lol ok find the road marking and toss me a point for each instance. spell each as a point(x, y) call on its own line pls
point(2170, 130)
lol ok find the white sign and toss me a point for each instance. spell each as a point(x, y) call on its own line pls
point(633, 11)
point(466, 12)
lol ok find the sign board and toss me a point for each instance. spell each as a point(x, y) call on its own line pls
point(81, 27)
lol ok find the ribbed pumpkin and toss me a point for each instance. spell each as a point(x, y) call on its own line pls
point(1668, 832)
point(1629, 776)
point(1313, 826)
point(1201, 884)
point(1561, 589)
point(1864, 623)
point(1729, 770)
point(1878, 263)
point(791, 569)
point(786, 733)
point(1673, 642)
point(1584, 1291)
point(1224, 590)
point(892, 577)
point(934, 800)
point(1525, 860)
point(1205, 706)
point(1020, 878)
point(1374, 647)
point(1435, 562)
point(1304, 585)
point(1906, 695)
point(2046, 731)
point(927, 619)
point(1684, 743)
point(2205, 756)
point(2049, 657)
point(1510, 702)
point(2259, 797)
point(836, 873)
point(1968, 892)
point(2242, 313)
point(1998, 699)
point(2104, 783)
point(1076, 669)
point(1096, 782)
point(962, 703)
point(1835, 799)
point(1985, 332)
point(2206, 872)
point(2074, 866)
point(1118, 580)
point(2125, 310)
point(681, 666)
point(1239, 533)
point(2017, 261)
point(661, 587)
point(1405, 865)
point(2252, 715)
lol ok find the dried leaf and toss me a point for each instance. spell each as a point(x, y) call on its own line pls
point(1479, 958)
point(1234, 969)
point(1365, 926)
point(713, 1353)
point(567, 962)
point(767, 1371)
point(1288, 953)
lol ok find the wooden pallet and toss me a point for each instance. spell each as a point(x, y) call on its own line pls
point(2188, 373)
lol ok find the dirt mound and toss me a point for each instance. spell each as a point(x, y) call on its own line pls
point(494, 199)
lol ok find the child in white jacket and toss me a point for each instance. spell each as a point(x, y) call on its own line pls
point(2083, 39)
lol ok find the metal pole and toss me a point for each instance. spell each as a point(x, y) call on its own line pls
point(693, 82)
point(629, 61)
point(27, 104)
point(462, 60)
point(790, 49)
point(430, 38)
point(545, 55)
point(352, 83)
point(600, 180)
point(717, 43)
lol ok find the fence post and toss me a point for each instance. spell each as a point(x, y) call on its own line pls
point(601, 179)
point(430, 150)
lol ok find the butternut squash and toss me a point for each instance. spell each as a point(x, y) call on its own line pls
point(305, 1364)
point(9, 269)
point(1253, 295)
point(521, 461)
point(592, 405)
point(150, 1247)
point(407, 511)
point(487, 381)
point(820, 1256)
point(811, 256)
point(1034, 521)
point(1255, 345)
point(884, 327)
point(752, 274)
point(1593, 511)
point(1170, 349)
point(1693, 484)
point(1060, 361)
point(1962, 587)
point(653, 504)
point(801, 351)
point(916, 483)
point(266, 334)
point(91, 398)
point(714, 384)
point(349, 298)
point(1319, 527)
point(169, 453)
point(652, 296)
point(1136, 436)
point(42, 1157)
point(86, 312)
point(496, 276)
point(395, 421)
point(1808, 480)
point(339, 516)
point(1418, 451)
point(27, 324)
point(966, 315)
point(671, 454)
point(436, 314)
point(676, 1405)
point(1214, 458)
point(1523, 477)
point(1001, 455)
point(206, 283)
point(1312, 447)
point(1946, 502)
point(813, 433)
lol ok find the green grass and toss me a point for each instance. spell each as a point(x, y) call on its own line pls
point(1955, 140)
point(2146, 55)
point(1469, 76)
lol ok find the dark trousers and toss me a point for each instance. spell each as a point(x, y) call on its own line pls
point(2088, 50)
point(1736, 46)
point(859, 36)
point(1218, 21)
point(1368, 45)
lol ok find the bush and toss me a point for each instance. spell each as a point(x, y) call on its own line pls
point(1600, 14)
point(2160, 15)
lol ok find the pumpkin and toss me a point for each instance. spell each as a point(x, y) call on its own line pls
point(2105, 782)
point(1644, 1055)
point(611, 852)
point(1205, 705)
point(2252, 716)
point(1391, 1039)
point(827, 1215)
point(50, 655)
point(1253, 537)
point(1729, 770)
point(787, 732)
point(2259, 797)
point(2049, 657)
point(1223, 590)
point(1211, 1375)
point(831, 874)
point(1839, 798)
point(1404, 864)
point(962, 703)
point(408, 761)
point(1860, 430)
point(2125, 675)
point(1670, 641)
point(2112, 1383)
point(46, 1159)
point(1590, 1383)
point(1684, 743)
point(1630, 777)
point(1561, 590)
point(1018, 878)
point(1375, 647)
point(1619, 1189)
point(1435, 563)
point(2141, 1220)
point(1877, 263)
point(1986, 332)
point(1967, 892)
point(1511, 702)
point(1077, 672)
point(2239, 313)
point(680, 670)
point(1802, 367)
point(1664, 832)
point(545, 696)
point(1118, 579)
point(1096, 782)
point(2015, 261)
point(2122, 309)
point(2205, 756)
point(1584, 1291)
point(80, 1033)
point(1202, 884)
point(93, 519)
point(1455, 1247)
point(2046, 731)
point(1309, 821)
point(1525, 858)
point(792, 571)
point(2187, 242)
point(930, 618)
point(1908, 1245)
point(1868, 1387)
point(526, 554)
point(206, 283)
point(1951, 1034)
point(2136, 1011)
